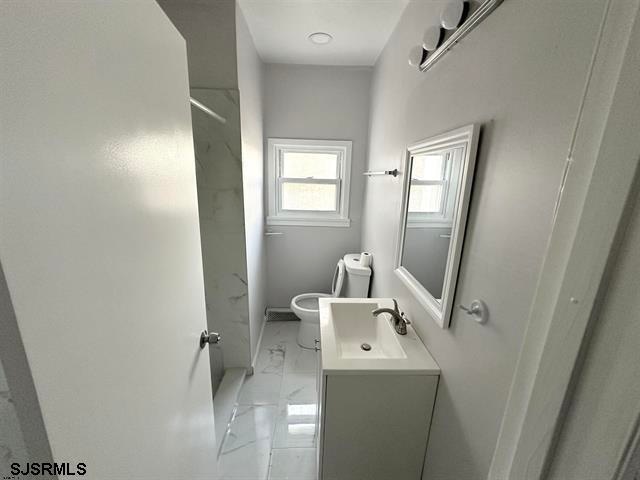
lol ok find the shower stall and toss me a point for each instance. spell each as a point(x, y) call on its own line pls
point(216, 133)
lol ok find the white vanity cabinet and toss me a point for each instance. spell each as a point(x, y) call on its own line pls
point(375, 407)
point(374, 426)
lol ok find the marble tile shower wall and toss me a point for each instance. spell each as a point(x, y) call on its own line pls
point(12, 447)
point(220, 201)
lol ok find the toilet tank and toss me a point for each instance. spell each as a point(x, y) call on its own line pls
point(357, 277)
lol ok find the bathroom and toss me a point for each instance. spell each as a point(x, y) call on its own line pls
point(209, 303)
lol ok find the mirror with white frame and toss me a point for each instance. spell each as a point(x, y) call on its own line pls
point(438, 174)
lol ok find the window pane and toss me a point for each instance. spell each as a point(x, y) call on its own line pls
point(309, 196)
point(309, 165)
point(428, 167)
point(425, 198)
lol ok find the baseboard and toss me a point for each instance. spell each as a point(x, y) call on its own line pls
point(252, 368)
point(280, 315)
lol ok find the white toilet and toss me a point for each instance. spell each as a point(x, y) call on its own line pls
point(350, 279)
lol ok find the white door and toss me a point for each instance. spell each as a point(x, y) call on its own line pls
point(99, 235)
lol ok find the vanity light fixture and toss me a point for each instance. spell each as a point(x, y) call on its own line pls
point(452, 14)
point(415, 56)
point(431, 38)
point(457, 19)
point(320, 38)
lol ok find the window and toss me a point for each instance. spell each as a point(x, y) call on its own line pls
point(308, 182)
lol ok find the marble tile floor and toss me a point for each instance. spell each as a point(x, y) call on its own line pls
point(224, 400)
point(273, 433)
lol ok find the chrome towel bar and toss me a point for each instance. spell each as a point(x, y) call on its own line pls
point(393, 172)
point(207, 110)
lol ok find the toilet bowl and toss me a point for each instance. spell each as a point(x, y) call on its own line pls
point(350, 279)
point(306, 308)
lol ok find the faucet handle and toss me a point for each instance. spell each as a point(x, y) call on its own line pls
point(397, 309)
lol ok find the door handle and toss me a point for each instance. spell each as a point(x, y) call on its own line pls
point(209, 338)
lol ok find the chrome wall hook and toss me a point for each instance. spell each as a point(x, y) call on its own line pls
point(478, 310)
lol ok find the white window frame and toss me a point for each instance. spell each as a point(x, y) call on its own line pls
point(276, 147)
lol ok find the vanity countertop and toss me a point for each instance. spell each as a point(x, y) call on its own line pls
point(347, 323)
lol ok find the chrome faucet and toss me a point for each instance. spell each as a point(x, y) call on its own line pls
point(400, 321)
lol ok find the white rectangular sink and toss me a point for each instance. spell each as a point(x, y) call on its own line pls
point(356, 327)
point(353, 340)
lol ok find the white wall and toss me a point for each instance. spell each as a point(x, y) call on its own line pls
point(316, 103)
point(603, 410)
point(605, 401)
point(522, 80)
point(250, 83)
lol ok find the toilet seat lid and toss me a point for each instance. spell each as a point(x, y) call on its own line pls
point(338, 279)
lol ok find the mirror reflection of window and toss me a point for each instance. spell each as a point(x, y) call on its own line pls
point(428, 183)
point(433, 191)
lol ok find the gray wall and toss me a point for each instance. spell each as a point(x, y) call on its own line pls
point(209, 28)
point(522, 79)
point(250, 80)
point(316, 103)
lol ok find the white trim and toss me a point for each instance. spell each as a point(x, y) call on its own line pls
point(336, 218)
point(604, 161)
point(467, 138)
point(308, 222)
point(256, 354)
point(429, 224)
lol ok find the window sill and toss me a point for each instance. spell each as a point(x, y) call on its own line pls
point(309, 222)
point(427, 224)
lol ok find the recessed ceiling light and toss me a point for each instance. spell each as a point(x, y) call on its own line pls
point(320, 38)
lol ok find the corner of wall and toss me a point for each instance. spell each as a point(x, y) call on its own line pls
point(250, 84)
point(24, 397)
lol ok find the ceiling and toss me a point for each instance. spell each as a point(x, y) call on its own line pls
point(360, 29)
